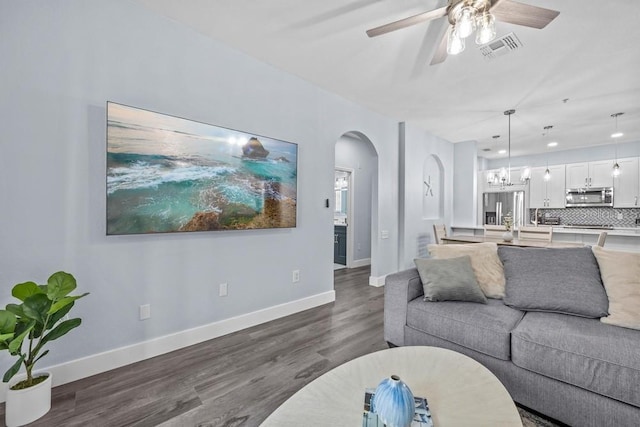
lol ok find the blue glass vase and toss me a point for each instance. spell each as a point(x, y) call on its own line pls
point(393, 402)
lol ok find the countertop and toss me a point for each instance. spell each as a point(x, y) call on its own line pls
point(617, 231)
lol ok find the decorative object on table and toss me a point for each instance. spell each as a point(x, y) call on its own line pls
point(507, 220)
point(394, 402)
point(421, 417)
point(36, 321)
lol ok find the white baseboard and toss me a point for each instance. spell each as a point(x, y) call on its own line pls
point(377, 281)
point(91, 365)
point(360, 262)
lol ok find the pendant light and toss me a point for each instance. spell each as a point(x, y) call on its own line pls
point(506, 179)
point(547, 174)
point(615, 135)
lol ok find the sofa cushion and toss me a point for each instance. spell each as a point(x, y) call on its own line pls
point(620, 272)
point(583, 352)
point(485, 262)
point(449, 279)
point(481, 327)
point(560, 280)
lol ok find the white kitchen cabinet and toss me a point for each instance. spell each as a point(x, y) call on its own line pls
point(547, 194)
point(626, 187)
point(590, 175)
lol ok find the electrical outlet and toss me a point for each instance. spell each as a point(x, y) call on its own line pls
point(384, 234)
point(145, 311)
point(223, 290)
point(620, 216)
point(295, 276)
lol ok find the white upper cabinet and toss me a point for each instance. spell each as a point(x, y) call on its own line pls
point(626, 187)
point(547, 194)
point(589, 175)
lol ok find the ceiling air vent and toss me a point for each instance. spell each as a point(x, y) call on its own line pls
point(501, 46)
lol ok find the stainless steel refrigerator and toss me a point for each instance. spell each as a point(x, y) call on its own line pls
point(497, 205)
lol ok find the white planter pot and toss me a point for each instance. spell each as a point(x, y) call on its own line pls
point(27, 405)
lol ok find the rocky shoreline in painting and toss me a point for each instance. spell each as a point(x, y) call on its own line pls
point(275, 214)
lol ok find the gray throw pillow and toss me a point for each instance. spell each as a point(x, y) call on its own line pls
point(558, 280)
point(449, 279)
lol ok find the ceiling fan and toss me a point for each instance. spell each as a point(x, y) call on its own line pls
point(466, 16)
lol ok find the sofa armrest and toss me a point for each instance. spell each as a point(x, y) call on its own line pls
point(399, 289)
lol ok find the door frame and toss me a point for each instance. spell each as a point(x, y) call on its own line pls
point(350, 205)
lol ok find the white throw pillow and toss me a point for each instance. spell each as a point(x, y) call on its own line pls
point(485, 262)
point(620, 272)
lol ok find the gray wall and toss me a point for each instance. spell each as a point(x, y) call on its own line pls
point(359, 155)
point(417, 145)
point(465, 183)
point(60, 62)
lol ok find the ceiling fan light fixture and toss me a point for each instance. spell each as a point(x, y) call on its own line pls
point(486, 28)
point(465, 22)
point(455, 44)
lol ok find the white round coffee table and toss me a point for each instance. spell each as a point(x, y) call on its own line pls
point(460, 391)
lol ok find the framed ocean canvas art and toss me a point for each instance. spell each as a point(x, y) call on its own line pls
point(166, 174)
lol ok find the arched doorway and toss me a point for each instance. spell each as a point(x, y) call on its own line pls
point(356, 200)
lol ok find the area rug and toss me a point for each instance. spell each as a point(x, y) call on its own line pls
point(530, 419)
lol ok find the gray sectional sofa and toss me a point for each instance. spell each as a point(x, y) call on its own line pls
point(573, 368)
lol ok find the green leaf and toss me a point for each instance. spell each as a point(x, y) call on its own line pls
point(22, 291)
point(63, 302)
point(59, 285)
point(16, 309)
point(7, 322)
point(16, 344)
point(36, 307)
point(6, 337)
point(57, 316)
point(12, 370)
point(60, 330)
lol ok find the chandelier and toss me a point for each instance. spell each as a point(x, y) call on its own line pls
point(465, 17)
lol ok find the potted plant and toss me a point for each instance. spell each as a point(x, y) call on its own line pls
point(25, 329)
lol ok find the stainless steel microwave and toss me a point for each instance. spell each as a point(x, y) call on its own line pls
point(587, 197)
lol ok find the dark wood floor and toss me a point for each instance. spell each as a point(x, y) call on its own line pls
point(235, 380)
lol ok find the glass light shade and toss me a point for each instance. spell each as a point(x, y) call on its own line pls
point(616, 170)
point(547, 175)
point(455, 44)
point(526, 174)
point(486, 28)
point(503, 174)
point(465, 23)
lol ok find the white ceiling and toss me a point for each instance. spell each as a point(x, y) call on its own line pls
point(590, 55)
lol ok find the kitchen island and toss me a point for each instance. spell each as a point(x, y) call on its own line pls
point(619, 238)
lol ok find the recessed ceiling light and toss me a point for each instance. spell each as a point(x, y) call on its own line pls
point(552, 144)
point(617, 135)
point(502, 152)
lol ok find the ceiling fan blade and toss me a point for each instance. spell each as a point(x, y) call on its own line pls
point(407, 22)
point(441, 52)
point(517, 13)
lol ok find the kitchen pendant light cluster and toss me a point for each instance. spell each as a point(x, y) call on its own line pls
point(615, 135)
point(466, 17)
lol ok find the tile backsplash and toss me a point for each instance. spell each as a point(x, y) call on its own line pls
point(591, 216)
